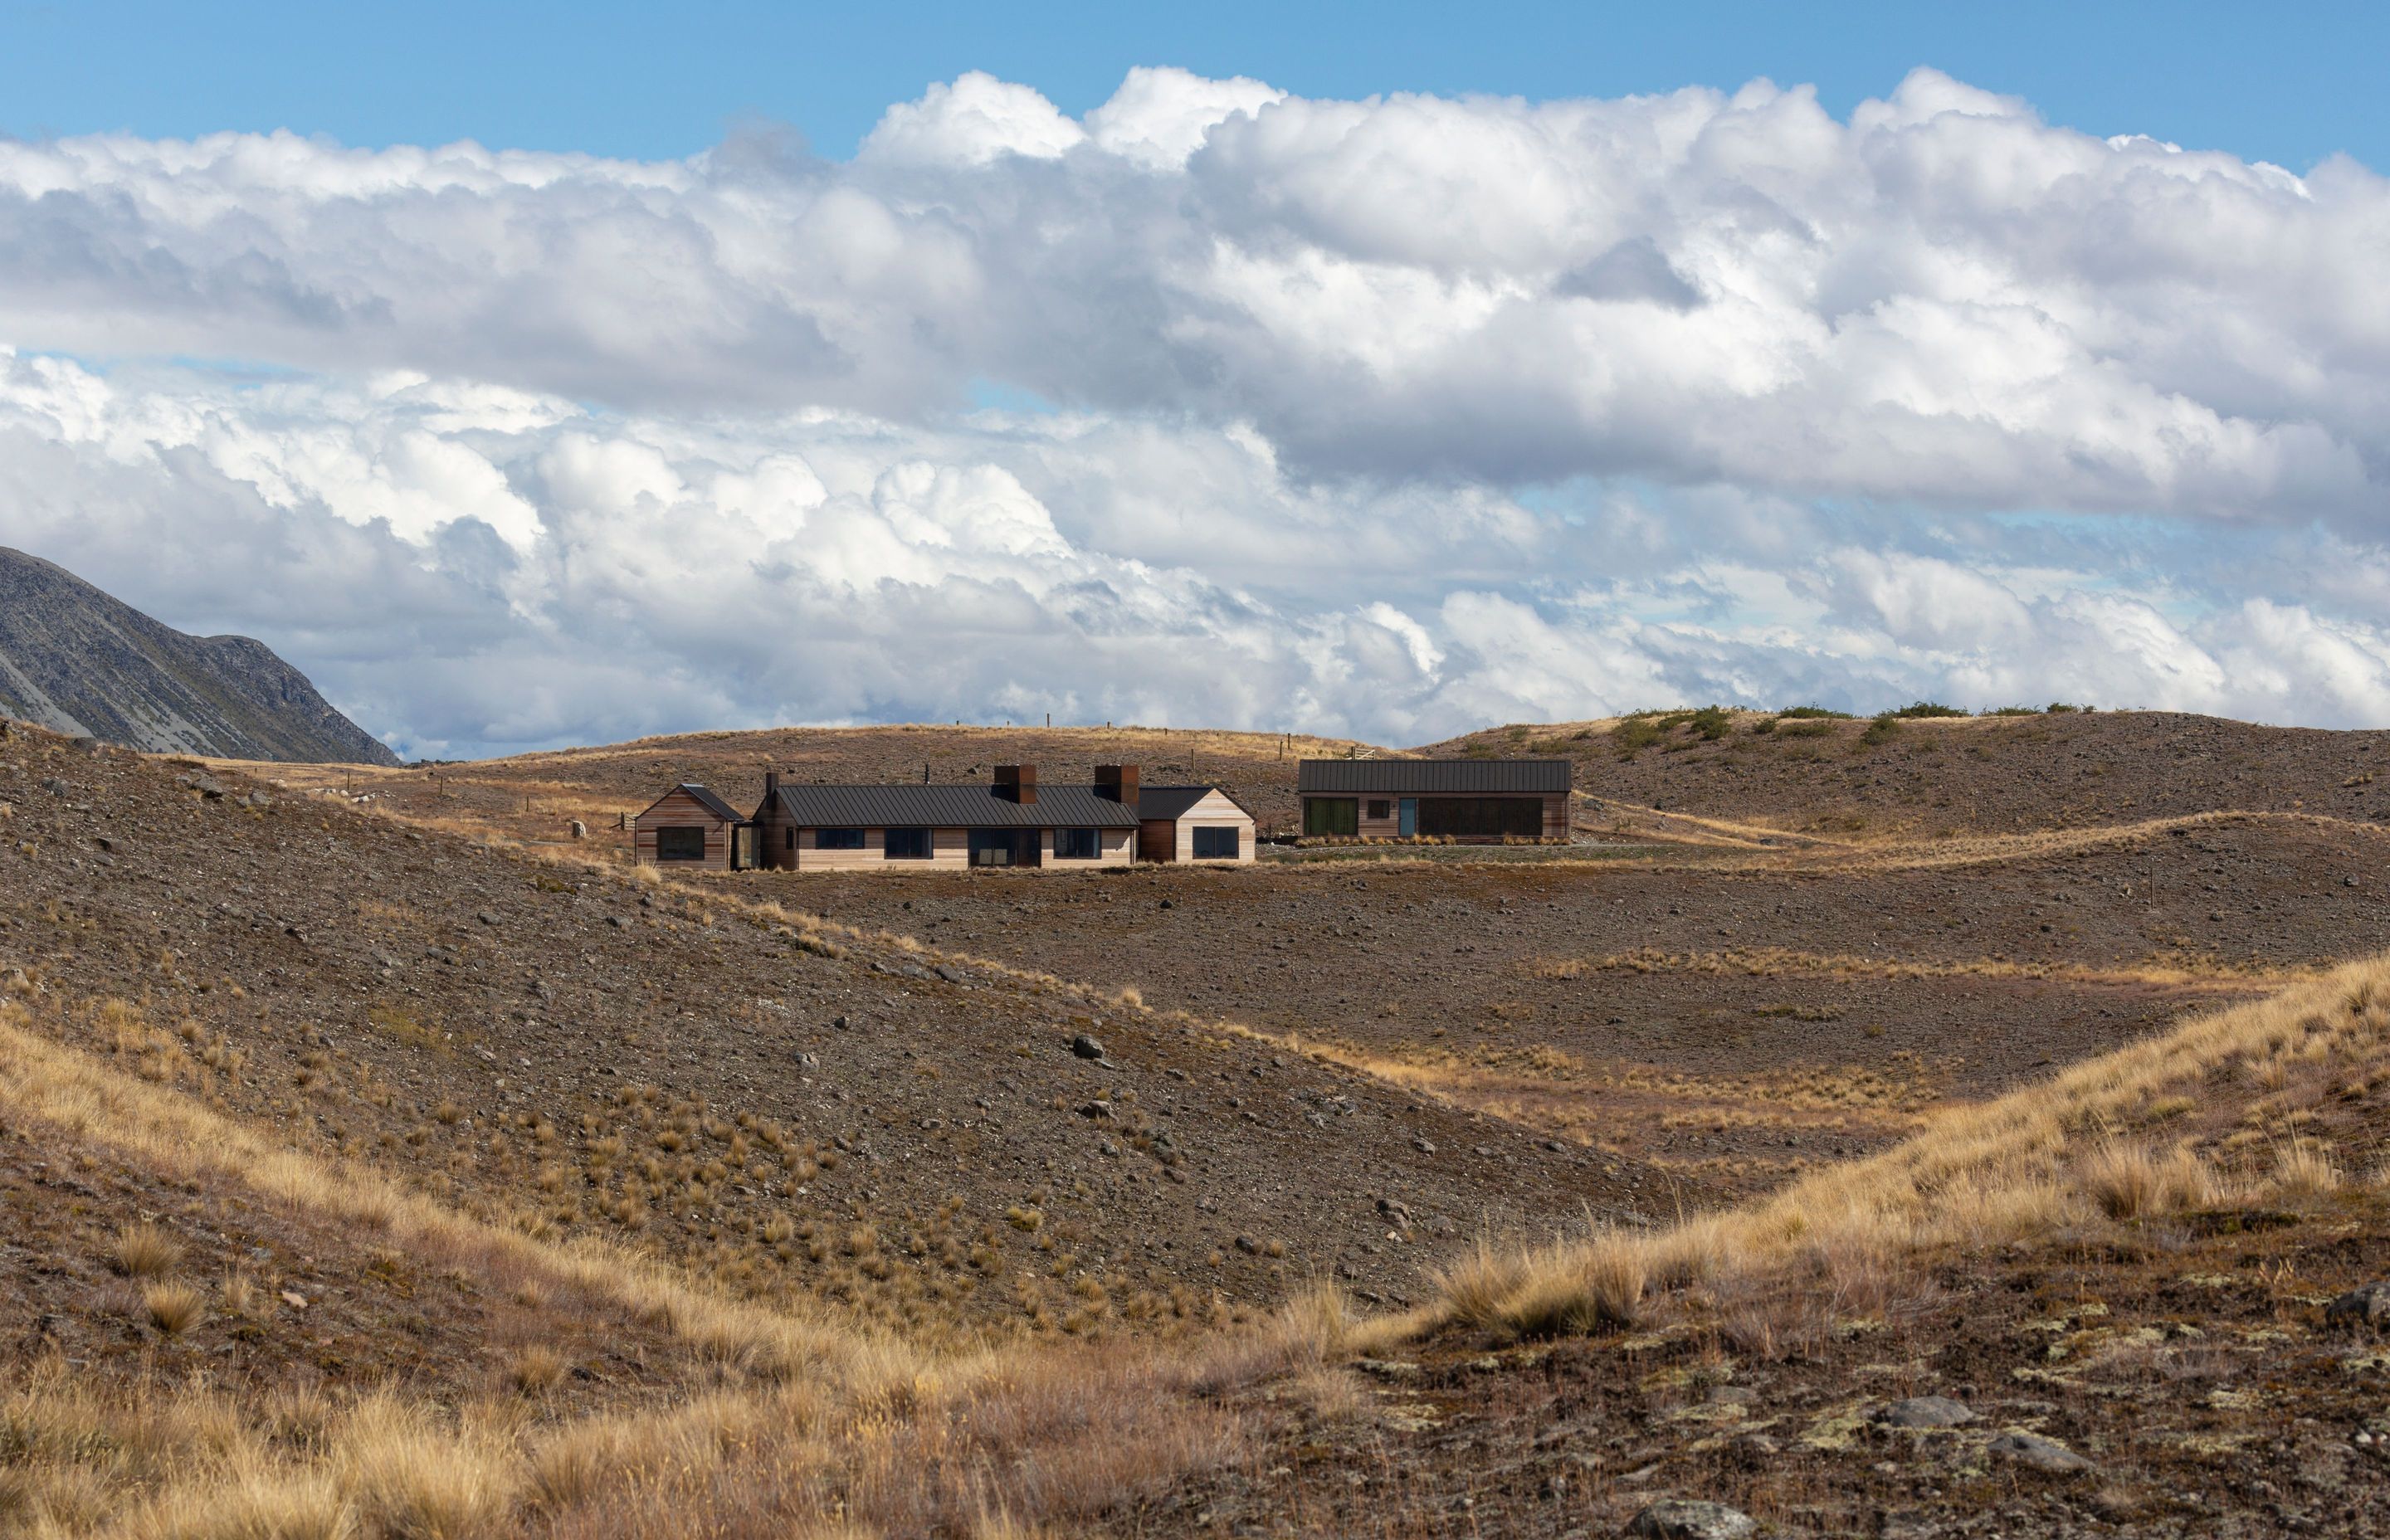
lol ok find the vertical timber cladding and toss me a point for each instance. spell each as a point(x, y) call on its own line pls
point(687, 826)
point(1192, 823)
point(1466, 799)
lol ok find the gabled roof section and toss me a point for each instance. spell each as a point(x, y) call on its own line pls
point(703, 797)
point(911, 806)
point(1173, 801)
point(1410, 777)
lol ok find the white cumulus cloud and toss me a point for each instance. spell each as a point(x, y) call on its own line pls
point(1390, 415)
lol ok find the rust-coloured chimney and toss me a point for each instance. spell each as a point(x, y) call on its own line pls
point(1117, 782)
point(1016, 783)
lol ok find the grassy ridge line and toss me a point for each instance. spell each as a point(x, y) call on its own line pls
point(2063, 1151)
point(44, 1080)
point(1770, 962)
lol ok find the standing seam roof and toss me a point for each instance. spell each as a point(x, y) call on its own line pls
point(706, 799)
point(1172, 802)
point(1410, 777)
point(902, 806)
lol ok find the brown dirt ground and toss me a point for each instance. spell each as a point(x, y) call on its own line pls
point(486, 1025)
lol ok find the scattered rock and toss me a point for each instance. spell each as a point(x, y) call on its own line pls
point(1424, 1146)
point(294, 1299)
point(2366, 1305)
point(1167, 905)
point(1085, 1046)
point(55, 786)
point(2038, 1453)
point(1681, 1519)
point(486, 917)
point(258, 799)
point(1923, 1411)
point(578, 829)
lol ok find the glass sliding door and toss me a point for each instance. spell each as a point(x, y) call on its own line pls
point(1004, 847)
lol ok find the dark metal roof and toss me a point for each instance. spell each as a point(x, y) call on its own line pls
point(908, 806)
point(710, 803)
point(1408, 778)
point(1172, 802)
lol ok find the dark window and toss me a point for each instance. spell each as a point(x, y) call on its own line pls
point(1003, 847)
point(1216, 844)
point(1077, 844)
point(838, 839)
point(793, 838)
point(1330, 815)
point(680, 844)
point(1379, 810)
point(1481, 818)
point(909, 844)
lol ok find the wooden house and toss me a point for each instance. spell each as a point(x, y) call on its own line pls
point(1469, 799)
point(1011, 822)
point(690, 825)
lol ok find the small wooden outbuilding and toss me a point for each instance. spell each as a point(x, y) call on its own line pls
point(1186, 823)
point(689, 826)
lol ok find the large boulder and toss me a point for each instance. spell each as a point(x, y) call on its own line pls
point(2036, 1453)
point(1686, 1518)
point(1923, 1411)
point(2367, 1305)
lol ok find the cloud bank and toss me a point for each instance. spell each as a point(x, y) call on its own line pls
point(1222, 406)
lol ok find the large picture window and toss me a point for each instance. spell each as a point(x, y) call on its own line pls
point(1216, 844)
point(1332, 815)
point(1482, 818)
point(1077, 844)
point(838, 839)
point(907, 844)
point(680, 844)
point(1003, 847)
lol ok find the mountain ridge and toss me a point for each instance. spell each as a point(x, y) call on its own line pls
point(77, 660)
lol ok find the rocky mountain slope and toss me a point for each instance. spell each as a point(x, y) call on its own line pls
point(77, 660)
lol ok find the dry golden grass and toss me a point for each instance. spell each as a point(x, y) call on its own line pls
point(1980, 1175)
point(1771, 962)
point(173, 1308)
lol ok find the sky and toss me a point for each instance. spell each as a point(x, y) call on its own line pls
point(533, 375)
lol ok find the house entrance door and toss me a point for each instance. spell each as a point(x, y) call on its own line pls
point(1409, 815)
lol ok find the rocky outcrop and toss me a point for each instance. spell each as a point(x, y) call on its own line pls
point(78, 661)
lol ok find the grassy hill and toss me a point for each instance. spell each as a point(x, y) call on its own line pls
point(394, 1167)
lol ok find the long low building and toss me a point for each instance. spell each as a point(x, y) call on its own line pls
point(1470, 800)
point(1010, 822)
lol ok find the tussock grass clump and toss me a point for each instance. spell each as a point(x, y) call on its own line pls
point(539, 1369)
point(143, 1251)
point(1562, 1289)
point(2128, 1181)
point(173, 1308)
point(2305, 1168)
